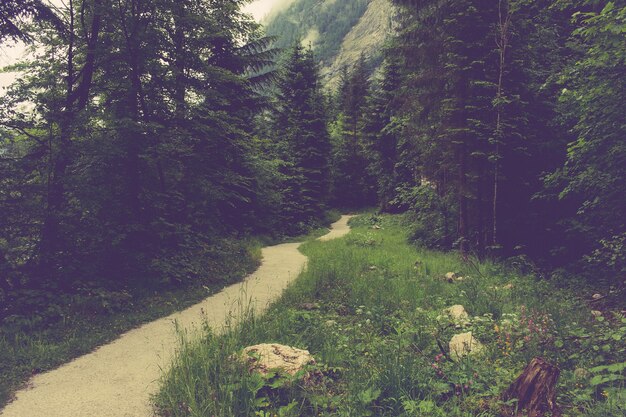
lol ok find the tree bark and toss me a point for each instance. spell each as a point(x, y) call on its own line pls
point(463, 215)
point(50, 243)
point(502, 41)
point(535, 390)
point(5, 285)
point(137, 109)
point(180, 64)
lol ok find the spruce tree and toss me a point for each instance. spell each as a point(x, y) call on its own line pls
point(381, 128)
point(302, 137)
point(353, 187)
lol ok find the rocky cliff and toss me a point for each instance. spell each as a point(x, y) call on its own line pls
point(338, 30)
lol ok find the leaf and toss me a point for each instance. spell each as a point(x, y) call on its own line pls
point(603, 379)
point(261, 402)
point(608, 8)
point(613, 368)
point(369, 395)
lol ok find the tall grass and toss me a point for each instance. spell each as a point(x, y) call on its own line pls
point(378, 336)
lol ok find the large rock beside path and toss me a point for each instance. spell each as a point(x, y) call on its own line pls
point(266, 357)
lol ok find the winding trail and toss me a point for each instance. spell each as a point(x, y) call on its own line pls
point(117, 379)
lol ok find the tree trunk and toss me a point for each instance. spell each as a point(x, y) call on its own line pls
point(504, 22)
point(535, 390)
point(463, 214)
point(50, 234)
point(50, 244)
point(180, 64)
point(5, 285)
point(480, 204)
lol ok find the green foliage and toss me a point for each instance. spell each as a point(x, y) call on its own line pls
point(301, 140)
point(381, 130)
point(431, 215)
point(352, 183)
point(378, 331)
point(46, 329)
point(15, 14)
point(482, 122)
point(593, 175)
point(125, 167)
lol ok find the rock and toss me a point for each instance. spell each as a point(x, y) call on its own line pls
point(457, 312)
point(596, 296)
point(596, 313)
point(376, 227)
point(464, 344)
point(309, 306)
point(271, 356)
point(452, 277)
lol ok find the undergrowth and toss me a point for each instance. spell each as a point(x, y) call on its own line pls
point(370, 308)
point(41, 339)
point(54, 328)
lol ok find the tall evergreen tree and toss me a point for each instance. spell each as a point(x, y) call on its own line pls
point(352, 186)
point(140, 133)
point(302, 136)
point(381, 128)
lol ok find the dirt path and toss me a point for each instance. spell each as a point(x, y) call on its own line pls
point(116, 380)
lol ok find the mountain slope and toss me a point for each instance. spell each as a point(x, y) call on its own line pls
point(338, 30)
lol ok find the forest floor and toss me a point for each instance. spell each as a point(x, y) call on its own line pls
point(118, 379)
point(373, 310)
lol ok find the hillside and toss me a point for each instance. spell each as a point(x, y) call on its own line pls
point(339, 31)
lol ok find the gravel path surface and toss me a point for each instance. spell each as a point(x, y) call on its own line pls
point(117, 379)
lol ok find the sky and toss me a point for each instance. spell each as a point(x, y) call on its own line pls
point(9, 54)
point(261, 8)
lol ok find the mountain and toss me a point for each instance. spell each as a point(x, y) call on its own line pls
point(338, 30)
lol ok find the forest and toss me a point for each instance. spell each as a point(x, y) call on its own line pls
point(153, 145)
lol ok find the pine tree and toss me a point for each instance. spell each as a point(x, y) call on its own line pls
point(302, 137)
point(14, 15)
point(381, 128)
point(143, 129)
point(353, 186)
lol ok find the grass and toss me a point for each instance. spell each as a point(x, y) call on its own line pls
point(28, 347)
point(377, 335)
